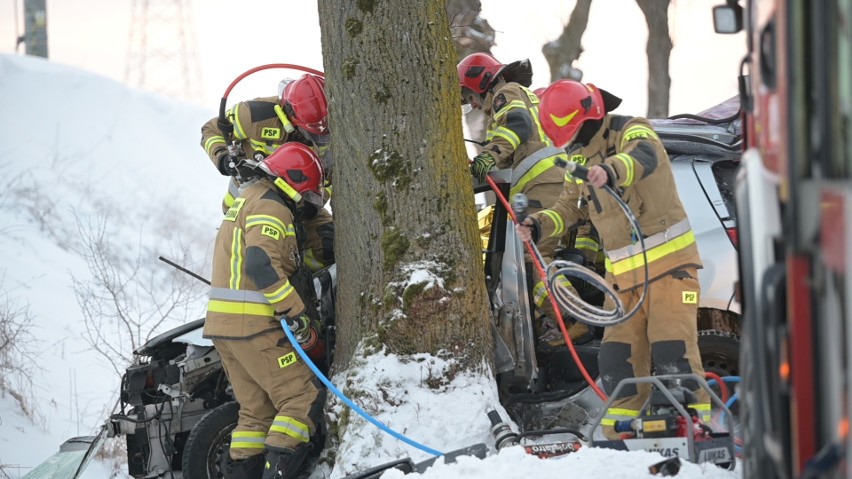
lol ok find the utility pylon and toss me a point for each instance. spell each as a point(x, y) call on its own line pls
point(161, 52)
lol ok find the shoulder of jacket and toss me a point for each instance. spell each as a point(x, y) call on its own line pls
point(619, 122)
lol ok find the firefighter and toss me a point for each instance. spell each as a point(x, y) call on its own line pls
point(299, 113)
point(258, 278)
point(626, 153)
point(516, 140)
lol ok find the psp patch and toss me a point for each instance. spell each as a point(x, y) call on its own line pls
point(287, 360)
point(270, 231)
point(270, 133)
point(690, 297)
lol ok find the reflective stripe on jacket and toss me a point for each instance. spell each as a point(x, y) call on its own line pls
point(634, 156)
point(255, 255)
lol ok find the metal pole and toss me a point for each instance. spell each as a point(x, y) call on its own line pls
point(35, 27)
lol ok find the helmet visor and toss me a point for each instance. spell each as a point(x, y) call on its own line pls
point(318, 133)
point(314, 198)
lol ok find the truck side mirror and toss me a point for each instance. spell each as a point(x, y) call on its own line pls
point(728, 18)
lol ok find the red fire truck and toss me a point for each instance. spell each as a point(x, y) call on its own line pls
point(794, 201)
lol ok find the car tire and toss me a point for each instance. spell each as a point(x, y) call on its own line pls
point(720, 352)
point(207, 441)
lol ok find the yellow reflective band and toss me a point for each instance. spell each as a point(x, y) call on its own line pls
point(636, 261)
point(628, 166)
point(509, 106)
point(313, 263)
point(539, 168)
point(558, 224)
point(230, 307)
point(239, 133)
point(236, 259)
point(241, 434)
point(261, 146)
point(607, 422)
point(705, 406)
point(539, 293)
point(614, 411)
point(279, 294)
point(247, 445)
point(291, 427)
point(561, 121)
point(509, 136)
point(288, 190)
point(637, 131)
point(213, 141)
point(586, 243)
point(257, 220)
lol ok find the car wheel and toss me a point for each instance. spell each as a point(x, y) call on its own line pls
point(720, 352)
point(207, 441)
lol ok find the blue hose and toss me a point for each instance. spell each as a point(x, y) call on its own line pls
point(348, 401)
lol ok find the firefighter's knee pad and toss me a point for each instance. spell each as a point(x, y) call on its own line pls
point(614, 365)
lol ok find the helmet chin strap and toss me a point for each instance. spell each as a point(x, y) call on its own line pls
point(288, 190)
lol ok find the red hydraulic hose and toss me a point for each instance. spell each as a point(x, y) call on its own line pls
point(722, 386)
point(542, 275)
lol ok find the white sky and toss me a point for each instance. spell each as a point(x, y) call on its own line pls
point(235, 36)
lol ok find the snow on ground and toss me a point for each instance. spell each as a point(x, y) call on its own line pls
point(75, 146)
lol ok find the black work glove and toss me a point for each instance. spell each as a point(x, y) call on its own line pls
point(235, 167)
point(482, 163)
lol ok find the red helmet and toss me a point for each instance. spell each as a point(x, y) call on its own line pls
point(477, 72)
point(305, 104)
point(539, 92)
point(565, 106)
point(298, 172)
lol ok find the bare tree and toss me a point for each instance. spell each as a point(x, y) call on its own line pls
point(562, 52)
point(127, 300)
point(410, 272)
point(659, 50)
point(17, 352)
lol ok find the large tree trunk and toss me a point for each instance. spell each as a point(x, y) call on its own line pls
point(410, 270)
point(659, 50)
point(562, 52)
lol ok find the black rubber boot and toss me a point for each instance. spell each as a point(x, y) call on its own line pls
point(284, 463)
point(250, 468)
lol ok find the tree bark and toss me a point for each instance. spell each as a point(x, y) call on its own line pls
point(659, 50)
point(409, 264)
point(562, 52)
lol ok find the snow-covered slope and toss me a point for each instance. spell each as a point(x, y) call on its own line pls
point(78, 148)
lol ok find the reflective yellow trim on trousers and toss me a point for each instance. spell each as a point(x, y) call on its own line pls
point(703, 409)
point(586, 243)
point(618, 414)
point(558, 224)
point(627, 160)
point(280, 294)
point(229, 307)
point(248, 440)
point(540, 167)
point(636, 261)
point(236, 259)
point(213, 141)
point(291, 427)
